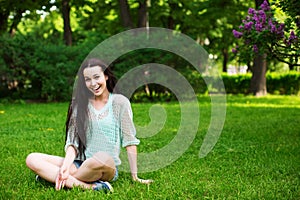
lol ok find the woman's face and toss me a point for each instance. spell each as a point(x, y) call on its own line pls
point(95, 80)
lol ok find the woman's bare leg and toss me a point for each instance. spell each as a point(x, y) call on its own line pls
point(100, 166)
point(47, 166)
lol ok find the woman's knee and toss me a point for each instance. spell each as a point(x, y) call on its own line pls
point(103, 159)
point(32, 159)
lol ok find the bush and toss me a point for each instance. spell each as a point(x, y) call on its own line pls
point(284, 83)
point(235, 84)
point(31, 68)
point(277, 83)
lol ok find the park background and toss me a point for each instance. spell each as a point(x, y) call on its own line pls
point(43, 43)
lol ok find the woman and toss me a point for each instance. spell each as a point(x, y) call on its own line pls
point(98, 123)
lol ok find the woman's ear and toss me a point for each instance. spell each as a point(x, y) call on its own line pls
point(106, 77)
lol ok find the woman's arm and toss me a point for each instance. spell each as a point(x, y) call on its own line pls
point(65, 168)
point(132, 158)
point(69, 157)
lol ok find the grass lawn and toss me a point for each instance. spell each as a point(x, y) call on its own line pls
point(256, 157)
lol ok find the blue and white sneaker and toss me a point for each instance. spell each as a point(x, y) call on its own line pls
point(103, 185)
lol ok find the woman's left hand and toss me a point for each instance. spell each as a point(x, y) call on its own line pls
point(143, 181)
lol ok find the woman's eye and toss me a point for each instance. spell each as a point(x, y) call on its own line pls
point(97, 77)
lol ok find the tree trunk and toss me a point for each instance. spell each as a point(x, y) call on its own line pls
point(67, 25)
point(125, 14)
point(171, 21)
point(225, 59)
point(3, 21)
point(258, 84)
point(142, 14)
point(258, 80)
point(143, 22)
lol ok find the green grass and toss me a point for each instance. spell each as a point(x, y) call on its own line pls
point(256, 157)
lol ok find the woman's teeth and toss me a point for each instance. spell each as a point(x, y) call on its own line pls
point(95, 89)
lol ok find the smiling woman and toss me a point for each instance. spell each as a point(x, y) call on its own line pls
point(98, 123)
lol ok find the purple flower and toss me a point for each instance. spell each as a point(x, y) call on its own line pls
point(248, 25)
point(262, 16)
point(280, 30)
point(237, 34)
point(255, 48)
point(292, 36)
point(281, 27)
point(265, 6)
point(255, 17)
point(251, 11)
point(273, 28)
point(292, 39)
point(235, 50)
point(258, 27)
point(287, 42)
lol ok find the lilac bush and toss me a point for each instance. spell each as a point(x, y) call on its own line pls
point(261, 33)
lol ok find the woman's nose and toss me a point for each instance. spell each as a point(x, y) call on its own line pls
point(94, 82)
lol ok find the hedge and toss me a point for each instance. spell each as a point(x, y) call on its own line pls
point(35, 69)
point(277, 83)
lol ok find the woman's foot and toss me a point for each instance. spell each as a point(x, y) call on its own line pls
point(103, 185)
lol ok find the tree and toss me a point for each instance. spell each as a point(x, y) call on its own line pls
point(288, 51)
point(258, 85)
point(143, 13)
point(263, 36)
point(67, 26)
point(125, 14)
point(12, 12)
point(219, 26)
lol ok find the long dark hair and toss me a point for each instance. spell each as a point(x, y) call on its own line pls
point(80, 100)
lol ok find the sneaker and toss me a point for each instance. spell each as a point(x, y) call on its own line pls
point(103, 185)
point(37, 178)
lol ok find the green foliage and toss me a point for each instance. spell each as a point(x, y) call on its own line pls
point(34, 68)
point(256, 157)
point(237, 84)
point(261, 33)
point(31, 68)
point(277, 83)
point(291, 8)
point(13, 12)
point(15, 64)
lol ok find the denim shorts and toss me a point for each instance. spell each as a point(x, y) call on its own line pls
point(78, 163)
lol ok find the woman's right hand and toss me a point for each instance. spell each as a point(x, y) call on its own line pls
point(64, 170)
point(61, 178)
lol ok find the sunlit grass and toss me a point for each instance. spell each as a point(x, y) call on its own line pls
point(256, 157)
